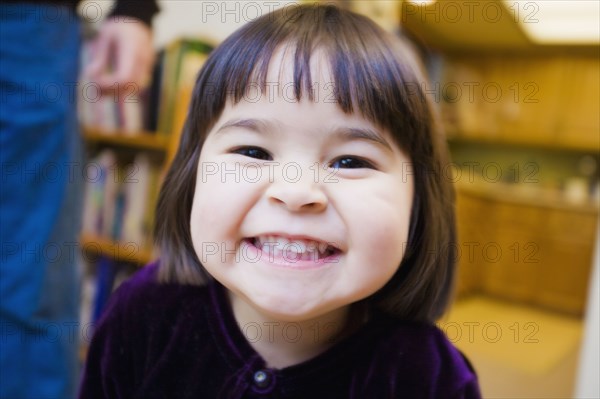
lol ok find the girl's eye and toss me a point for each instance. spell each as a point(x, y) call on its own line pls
point(253, 152)
point(348, 162)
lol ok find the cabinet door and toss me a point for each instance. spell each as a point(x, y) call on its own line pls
point(524, 253)
point(579, 124)
point(461, 110)
point(566, 257)
point(469, 212)
point(550, 101)
point(564, 276)
point(529, 106)
point(510, 253)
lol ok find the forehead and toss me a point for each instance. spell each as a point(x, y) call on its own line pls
point(275, 96)
point(283, 68)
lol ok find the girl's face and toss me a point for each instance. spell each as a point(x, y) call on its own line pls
point(299, 208)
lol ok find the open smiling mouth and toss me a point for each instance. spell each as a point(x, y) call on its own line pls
point(294, 250)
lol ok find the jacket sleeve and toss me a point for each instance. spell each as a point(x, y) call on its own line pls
point(144, 10)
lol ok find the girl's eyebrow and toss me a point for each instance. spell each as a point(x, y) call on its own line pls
point(265, 126)
point(361, 133)
point(256, 125)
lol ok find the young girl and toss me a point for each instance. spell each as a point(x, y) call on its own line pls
point(300, 229)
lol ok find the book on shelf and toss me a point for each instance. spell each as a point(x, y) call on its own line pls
point(109, 172)
point(95, 193)
point(182, 61)
point(105, 277)
point(136, 192)
point(86, 308)
point(153, 94)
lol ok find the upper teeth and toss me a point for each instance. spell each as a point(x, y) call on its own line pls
point(281, 244)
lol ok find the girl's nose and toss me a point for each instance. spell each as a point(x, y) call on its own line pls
point(298, 196)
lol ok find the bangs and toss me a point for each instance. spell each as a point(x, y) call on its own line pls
point(373, 77)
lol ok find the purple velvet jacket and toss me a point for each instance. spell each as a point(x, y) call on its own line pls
point(177, 341)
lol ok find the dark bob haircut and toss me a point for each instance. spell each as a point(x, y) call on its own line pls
point(375, 74)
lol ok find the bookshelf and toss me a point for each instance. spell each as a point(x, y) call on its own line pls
point(140, 140)
point(136, 142)
point(148, 126)
point(130, 147)
point(118, 251)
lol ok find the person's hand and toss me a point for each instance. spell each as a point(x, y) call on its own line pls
point(121, 54)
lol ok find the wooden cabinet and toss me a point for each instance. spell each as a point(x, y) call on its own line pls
point(510, 252)
point(579, 116)
point(565, 250)
point(531, 101)
point(539, 255)
point(549, 101)
point(469, 271)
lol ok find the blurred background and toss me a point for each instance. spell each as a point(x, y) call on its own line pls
point(517, 87)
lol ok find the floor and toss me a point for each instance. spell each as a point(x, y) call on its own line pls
point(517, 351)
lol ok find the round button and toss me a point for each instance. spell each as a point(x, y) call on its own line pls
point(262, 379)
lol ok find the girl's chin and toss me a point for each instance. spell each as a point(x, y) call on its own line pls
point(288, 311)
point(285, 306)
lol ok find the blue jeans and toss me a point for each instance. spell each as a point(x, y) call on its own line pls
point(40, 201)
